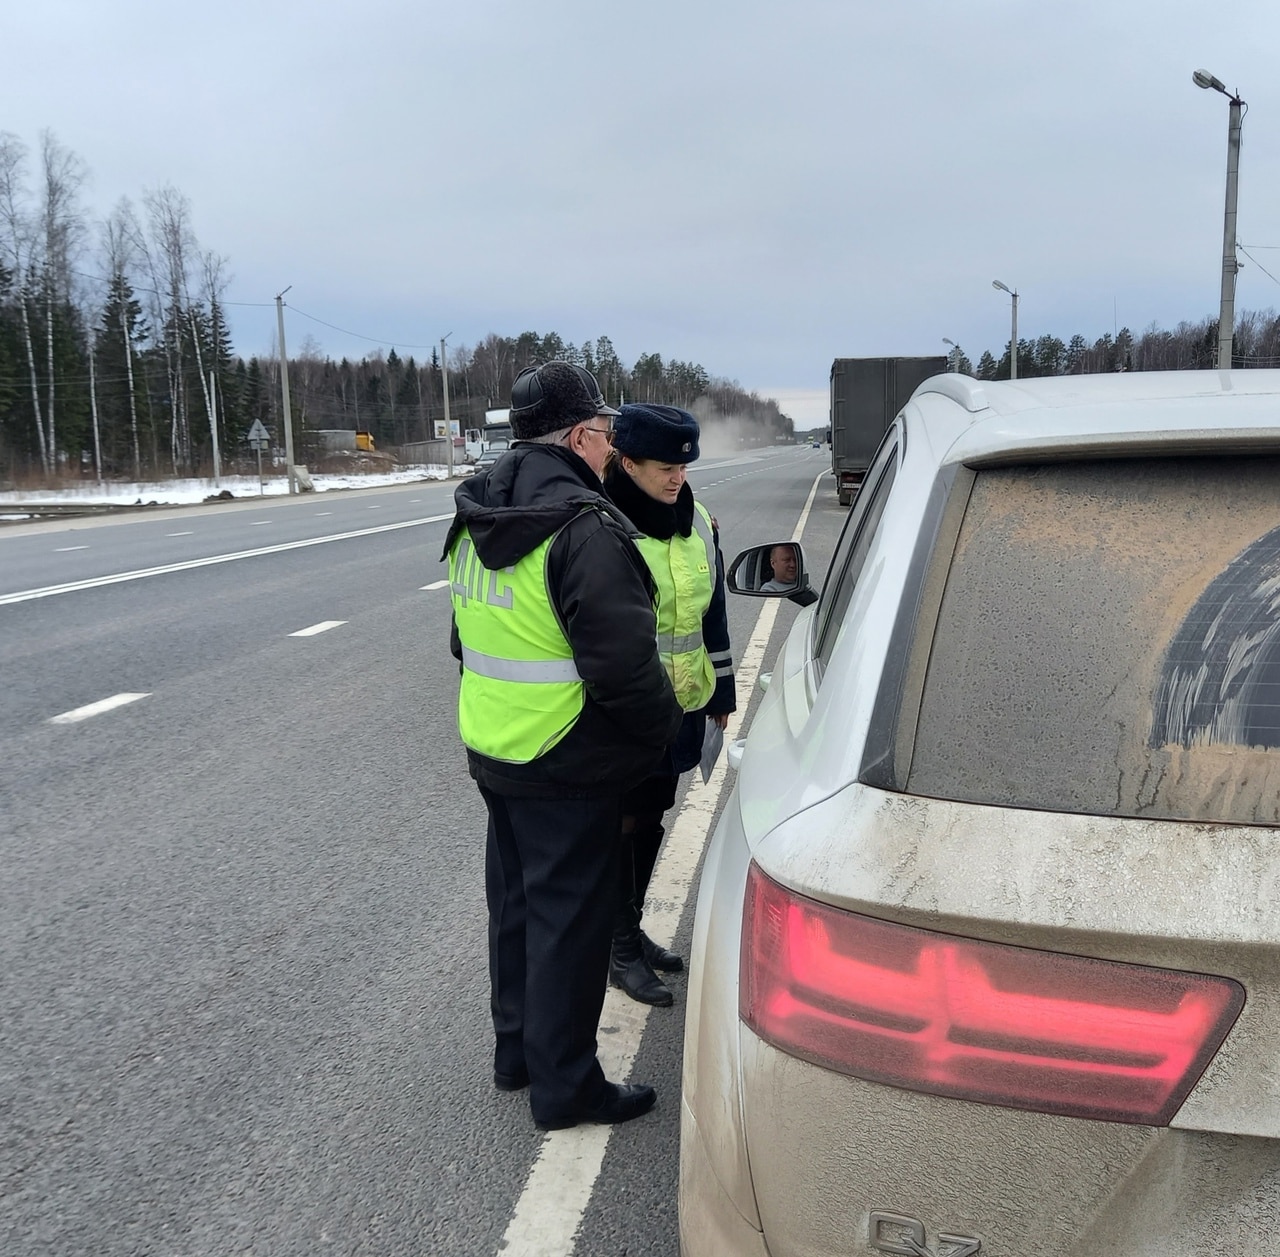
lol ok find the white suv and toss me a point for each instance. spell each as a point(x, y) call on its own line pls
point(987, 949)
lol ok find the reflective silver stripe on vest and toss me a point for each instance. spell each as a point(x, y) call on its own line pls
point(532, 671)
point(704, 531)
point(669, 643)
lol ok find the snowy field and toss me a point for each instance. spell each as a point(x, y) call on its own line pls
point(180, 492)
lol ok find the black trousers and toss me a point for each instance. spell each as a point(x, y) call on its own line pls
point(645, 804)
point(550, 871)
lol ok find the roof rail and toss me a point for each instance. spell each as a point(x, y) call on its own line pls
point(962, 389)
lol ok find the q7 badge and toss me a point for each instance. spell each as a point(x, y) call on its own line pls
point(898, 1234)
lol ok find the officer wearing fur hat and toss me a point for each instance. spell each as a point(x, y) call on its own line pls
point(564, 705)
point(652, 447)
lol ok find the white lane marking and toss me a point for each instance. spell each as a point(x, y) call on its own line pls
point(565, 1171)
point(373, 506)
point(319, 513)
point(257, 523)
point(49, 591)
point(95, 709)
point(68, 549)
point(436, 584)
point(180, 534)
point(323, 627)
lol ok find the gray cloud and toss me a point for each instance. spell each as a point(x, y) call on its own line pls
point(756, 187)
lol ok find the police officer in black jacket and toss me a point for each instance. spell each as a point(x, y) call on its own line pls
point(563, 706)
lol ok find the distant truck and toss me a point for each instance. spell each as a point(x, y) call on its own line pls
point(495, 435)
point(866, 396)
point(344, 440)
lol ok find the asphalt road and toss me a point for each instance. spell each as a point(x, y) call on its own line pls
point(243, 1000)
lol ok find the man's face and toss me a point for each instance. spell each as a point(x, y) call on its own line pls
point(590, 441)
point(783, 561)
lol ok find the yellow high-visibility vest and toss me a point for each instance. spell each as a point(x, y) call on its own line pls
point(684, 570)
point(521, 692)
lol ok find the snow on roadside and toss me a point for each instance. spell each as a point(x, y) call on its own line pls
point(181, 492)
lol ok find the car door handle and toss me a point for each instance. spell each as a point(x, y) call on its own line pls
point(734, 753)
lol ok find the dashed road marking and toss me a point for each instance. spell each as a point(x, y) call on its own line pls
point(257, 523)
point(436, 584)
point(68, 549)
point(323, 627)
point(95, 709)
point(180, 534)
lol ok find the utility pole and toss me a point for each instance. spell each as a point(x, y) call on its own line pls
point(448, 426)
point(284, 395)
point(1013, 340)
point(1227, 313)
point(93, 407)
point(1227, 307)
point(213, 430)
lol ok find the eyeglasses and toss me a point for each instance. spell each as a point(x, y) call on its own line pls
point(605, 432)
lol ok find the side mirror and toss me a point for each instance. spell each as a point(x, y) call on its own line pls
point(775, 570)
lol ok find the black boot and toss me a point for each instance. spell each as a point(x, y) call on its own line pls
point(628, 968)
point(659, 957)
point(631, 972)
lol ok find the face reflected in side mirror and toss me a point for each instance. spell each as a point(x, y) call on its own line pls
point(775, 570)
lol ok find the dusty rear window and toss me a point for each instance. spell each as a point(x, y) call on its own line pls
point(1109, 642)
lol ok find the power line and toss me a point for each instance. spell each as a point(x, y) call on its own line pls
point(1256, 263)
point(156, 292)
point(374, 340)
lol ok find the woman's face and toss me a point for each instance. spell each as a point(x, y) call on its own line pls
point(662, 481)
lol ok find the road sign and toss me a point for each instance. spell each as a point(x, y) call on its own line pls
point(259, 438)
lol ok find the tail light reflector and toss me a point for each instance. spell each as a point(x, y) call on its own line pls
point(979, 1021)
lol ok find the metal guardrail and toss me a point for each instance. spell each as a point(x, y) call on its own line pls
point(52, 510)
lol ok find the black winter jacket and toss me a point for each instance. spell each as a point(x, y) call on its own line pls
point(602, 594)
point(656, 519)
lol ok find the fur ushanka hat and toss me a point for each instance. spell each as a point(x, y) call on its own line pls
point(553, 397)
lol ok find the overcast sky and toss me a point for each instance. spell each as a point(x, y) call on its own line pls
point(758, 187)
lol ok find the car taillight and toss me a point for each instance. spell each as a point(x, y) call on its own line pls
point(979, 1021)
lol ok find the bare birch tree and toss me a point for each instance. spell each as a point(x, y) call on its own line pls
point(121, 235)
point(168, 248)
point(61, 232)
point(213, 268)
point(17, 240)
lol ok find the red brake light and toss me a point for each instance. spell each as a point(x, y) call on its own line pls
point(980, 1021)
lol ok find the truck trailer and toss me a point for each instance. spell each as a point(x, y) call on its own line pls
point(866, 396)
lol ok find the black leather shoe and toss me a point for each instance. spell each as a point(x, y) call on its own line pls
point(659, 957)
point(621, 1102)
point(511, 1082)
point(639, 981)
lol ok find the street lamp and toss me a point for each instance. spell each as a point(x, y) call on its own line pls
point(1227, 310)
point(1013, 340)
point(946, 340)
point(448, 423)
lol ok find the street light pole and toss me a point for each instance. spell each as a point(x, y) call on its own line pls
point(284, 396)
point(448, 424)
point(1227, 306)
point(1013, 340)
